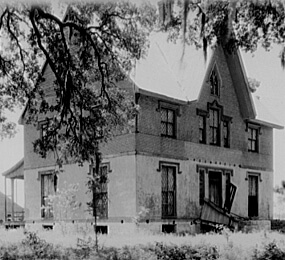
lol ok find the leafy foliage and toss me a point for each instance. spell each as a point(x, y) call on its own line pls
point(234, 24)
point(185, 252)
point(271, 251)
point(87, 54)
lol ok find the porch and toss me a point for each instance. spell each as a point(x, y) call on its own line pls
point(13, 213)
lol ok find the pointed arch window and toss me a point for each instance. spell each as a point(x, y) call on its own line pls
point(215, 82)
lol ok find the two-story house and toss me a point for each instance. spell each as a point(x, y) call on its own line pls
point(198, 130)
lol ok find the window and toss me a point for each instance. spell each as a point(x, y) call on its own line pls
point(215, 187)
point(201, 186)
point(253, 139)
point(48, 187)
point(167, 122)
point(214, 127)
point(226, 134)
point(43, 127)
point(252, 195)
point(168, 191)
point(100, 195)
point(214, 83)
point(202, 129)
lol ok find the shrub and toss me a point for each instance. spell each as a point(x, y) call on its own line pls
point(199, 252)
point(271, 252)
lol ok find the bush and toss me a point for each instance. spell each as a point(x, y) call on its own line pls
point(201, 252)
point(271, 252)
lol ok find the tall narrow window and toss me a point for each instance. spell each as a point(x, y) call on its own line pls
point(201, 186)
point(253, 196)
point(167, 122)
point(202, 129)
point(214, 127)
point(48, 186)
point(252, 139)
point(226, 134)
point(101, 193)
point(168, 191)
point(215, 187)
point(214, 83)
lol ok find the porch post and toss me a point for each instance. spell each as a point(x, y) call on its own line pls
point(5, 186)
point(13, 199)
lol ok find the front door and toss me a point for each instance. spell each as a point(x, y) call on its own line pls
point(252, 196)
point(215, 187)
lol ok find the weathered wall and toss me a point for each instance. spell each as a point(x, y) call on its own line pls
point(121, 189)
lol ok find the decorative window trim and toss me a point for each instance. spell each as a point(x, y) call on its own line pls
point(213, 168)
point(171, 164)
point(254, 126)
point(169, 105)
point(101, 165)
point(258, 174)
point(45, 172)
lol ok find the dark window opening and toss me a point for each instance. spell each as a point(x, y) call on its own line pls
point(101, 229)
point(202, 129)
point(167, 122)
point(252, 196)
point(252, 139)
point(215, 187)
point(201, 186)
point(168, 190)
point(214, 83)
point(226, 134)
point(168, 228)
point(214, 127)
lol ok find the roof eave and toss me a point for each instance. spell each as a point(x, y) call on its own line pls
point(268, 124)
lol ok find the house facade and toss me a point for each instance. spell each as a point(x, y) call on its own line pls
point(199, 130)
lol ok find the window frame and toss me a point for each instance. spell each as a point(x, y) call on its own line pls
point(250, 128)
point(214, 130)
point(204, 185)
point(176, 172)
point(202, 115)
point(103, 209)
point(167, 123)
point(52, 177)
point(42, 127)
point(226, 120)
point(258, 179)
point(167, 193)
point(215, 90)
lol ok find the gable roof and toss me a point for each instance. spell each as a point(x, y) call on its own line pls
point(169, 72)
point(16, 171)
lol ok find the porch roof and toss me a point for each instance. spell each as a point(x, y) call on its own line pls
point(16, 171)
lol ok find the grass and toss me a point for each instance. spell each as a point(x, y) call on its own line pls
point(230, 246)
